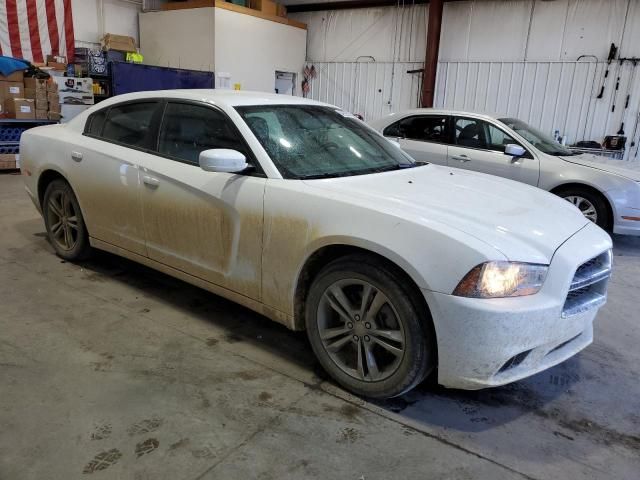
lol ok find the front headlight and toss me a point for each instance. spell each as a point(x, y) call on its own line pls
point(502, 279)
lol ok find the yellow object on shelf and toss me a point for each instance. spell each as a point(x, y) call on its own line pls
point(134, 57)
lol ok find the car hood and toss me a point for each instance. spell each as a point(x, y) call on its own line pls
point(627, 169)
point(522, 222)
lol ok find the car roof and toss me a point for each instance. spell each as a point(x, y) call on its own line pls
point(232, 98)
point(438, 111)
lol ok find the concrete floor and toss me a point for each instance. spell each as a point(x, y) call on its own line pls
point(111, 370)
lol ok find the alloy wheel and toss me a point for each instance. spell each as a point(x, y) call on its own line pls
point(63, 220)
point(587, 208)
point(361, 330)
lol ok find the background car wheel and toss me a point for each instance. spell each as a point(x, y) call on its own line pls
point(592, 205)
point(368, 332)
point(63, 220)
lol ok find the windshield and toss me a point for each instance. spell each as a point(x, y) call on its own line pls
point(540, 140)
point(308, 141)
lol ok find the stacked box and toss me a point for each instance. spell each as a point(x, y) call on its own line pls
point(21, 108)
point(11, 87)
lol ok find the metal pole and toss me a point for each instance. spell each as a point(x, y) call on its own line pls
point(434, 25)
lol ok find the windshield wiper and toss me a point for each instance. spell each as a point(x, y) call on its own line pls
point(319, 175)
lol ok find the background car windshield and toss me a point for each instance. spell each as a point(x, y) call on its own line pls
point(540, 140)
point(307, 141)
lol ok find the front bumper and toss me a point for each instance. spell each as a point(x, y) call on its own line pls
point(490, 342)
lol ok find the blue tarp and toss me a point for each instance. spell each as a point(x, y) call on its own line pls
point(8, 65)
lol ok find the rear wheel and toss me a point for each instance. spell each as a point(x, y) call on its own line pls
point(592, 205)
point(367, 331)
point(63, 220)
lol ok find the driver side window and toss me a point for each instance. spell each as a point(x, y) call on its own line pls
point(476, 133)
point(187, 130)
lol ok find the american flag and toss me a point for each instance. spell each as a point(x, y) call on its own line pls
point(33, 29)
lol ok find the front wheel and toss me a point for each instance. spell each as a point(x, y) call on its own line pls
point(64, 222)
point(592, 205)
point(367, 330)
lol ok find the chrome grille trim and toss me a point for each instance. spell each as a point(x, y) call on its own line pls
point(588, 288)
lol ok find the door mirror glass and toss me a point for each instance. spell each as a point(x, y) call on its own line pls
point(223, 160)
point(514, 150)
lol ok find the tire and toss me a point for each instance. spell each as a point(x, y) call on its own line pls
point(592, 205)
point(391, 320)
point(64, 222)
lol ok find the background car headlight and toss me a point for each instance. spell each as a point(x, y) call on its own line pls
point(502, 279)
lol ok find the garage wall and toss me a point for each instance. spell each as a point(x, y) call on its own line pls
point(478, 30)
point(120, 17)
point(251, 49)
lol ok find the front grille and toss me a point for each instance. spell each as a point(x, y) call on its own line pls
point(589, 285)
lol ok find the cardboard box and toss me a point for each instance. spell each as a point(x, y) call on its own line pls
point(9, 161)
point(41, 104)
point(35, 94)
point(14, 77)
point(11, 90)
point(54, 116)
point(42, 114)
point(267, 7)
point(52, 86)
point(77, 85)
point(53, 97)
point(33, 83)
point(21, 108)
point(57, 62)
point(281, 11)
point(54, 107)
point(121, 43)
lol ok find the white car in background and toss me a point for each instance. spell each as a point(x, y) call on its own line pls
point(605, 190)
point(300, 212)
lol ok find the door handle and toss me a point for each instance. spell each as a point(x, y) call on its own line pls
point(461, 158)
point(150, 181)
point(76, 156)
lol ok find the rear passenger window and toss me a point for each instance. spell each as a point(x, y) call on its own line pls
point(95, 123)
point(130, 124)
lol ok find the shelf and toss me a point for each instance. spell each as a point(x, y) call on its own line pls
point(26, 120)
point(9, 144)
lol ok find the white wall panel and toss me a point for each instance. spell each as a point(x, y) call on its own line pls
point(478, 30)
point(345, 35)
point(372, 89)
point(498, 26)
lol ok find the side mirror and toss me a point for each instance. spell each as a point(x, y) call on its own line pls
point(222, 160)
point(514, 150)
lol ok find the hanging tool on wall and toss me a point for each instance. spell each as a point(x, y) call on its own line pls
point(634, 63)
point(634, 134)
point(612, 54)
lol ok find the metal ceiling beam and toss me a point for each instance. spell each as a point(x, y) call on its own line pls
point(352, 4)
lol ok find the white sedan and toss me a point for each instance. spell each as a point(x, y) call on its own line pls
point(301, 212)
point(607, 191)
